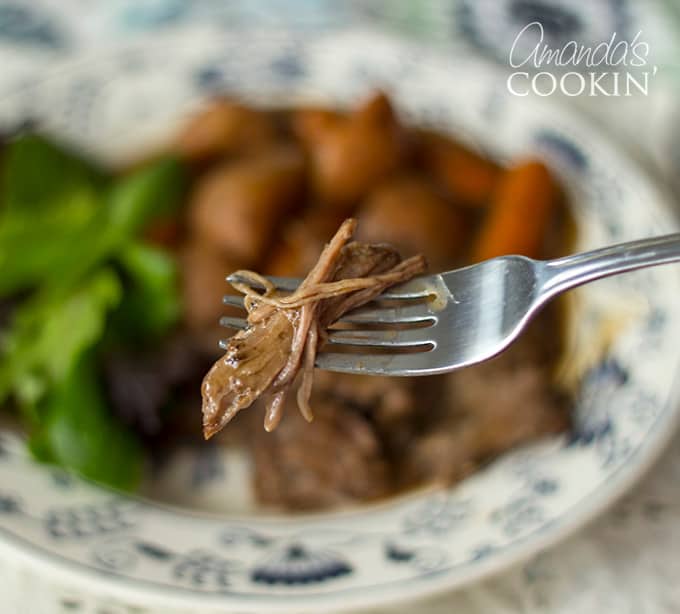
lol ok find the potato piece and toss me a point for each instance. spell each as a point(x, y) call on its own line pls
point(468, 177)
point(350, 156)
point(522, 210)
point(408, 213)
point(236, 207)
point(225, 126)
point(203, 269)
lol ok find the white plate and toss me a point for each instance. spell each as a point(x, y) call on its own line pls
point(147, 555)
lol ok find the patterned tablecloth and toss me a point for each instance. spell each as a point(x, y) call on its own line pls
point(627, 561)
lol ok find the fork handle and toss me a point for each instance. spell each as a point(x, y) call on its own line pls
point(564, 273)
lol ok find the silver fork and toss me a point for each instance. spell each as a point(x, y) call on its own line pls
point(444, 322)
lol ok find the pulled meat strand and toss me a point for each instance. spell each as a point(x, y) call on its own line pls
point(305, 390)
point(302, 296)
point(274, 410)
point(284, 332)
point(322, 271)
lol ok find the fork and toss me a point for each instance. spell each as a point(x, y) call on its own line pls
point(443, 322)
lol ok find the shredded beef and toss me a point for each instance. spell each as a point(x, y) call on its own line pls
point(284, 332)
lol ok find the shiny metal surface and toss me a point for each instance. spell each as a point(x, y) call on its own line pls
point(462, 317)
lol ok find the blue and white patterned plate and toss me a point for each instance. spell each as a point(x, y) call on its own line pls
point(624, 338)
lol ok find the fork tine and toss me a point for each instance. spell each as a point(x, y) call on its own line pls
point(391, 339)
point(287, 284)
point(230, 322)
point(372, 315)
point(415, 289)
point(409, 314)
point(233, 300)
point(416, 363)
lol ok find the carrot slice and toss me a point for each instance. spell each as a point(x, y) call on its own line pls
point(522, 209)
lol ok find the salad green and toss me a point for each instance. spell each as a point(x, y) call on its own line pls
point(71, 251)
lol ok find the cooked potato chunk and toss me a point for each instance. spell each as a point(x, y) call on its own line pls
point(351, 155)
point(237, 206)
point(408, 213)
point(225, 127)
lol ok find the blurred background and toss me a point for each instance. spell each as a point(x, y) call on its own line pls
point(36, 36)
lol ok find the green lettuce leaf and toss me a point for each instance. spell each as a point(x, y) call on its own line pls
point(153, 191)
point(78, 431)
point(151, 304)
point(38, 176)
point(68, 235)
point(49, 333)
point(48, 203)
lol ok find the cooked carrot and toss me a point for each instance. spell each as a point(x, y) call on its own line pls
point(469, 178)
point(522, 208)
